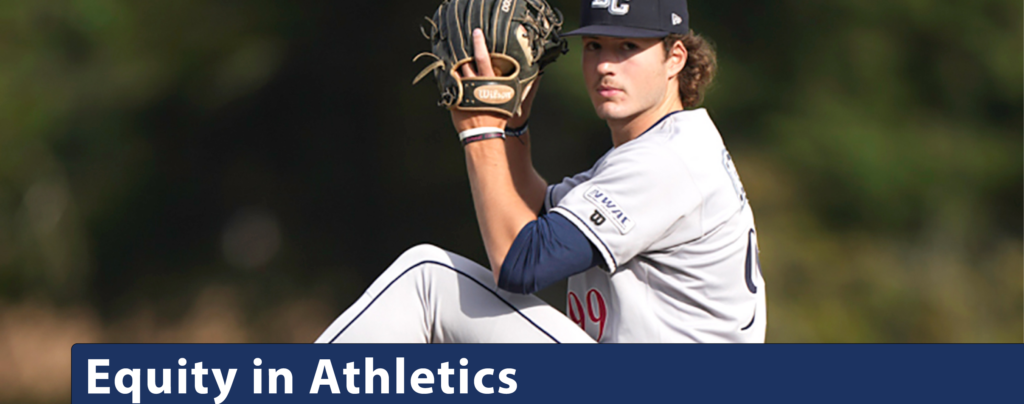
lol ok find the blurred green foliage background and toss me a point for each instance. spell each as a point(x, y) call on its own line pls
point(239, 171)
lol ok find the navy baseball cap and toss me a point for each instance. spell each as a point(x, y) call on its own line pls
point(632, 19)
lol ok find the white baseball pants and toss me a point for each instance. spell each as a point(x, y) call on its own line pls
point(429, 295)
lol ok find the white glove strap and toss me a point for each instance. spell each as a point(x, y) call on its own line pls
point(479, 131)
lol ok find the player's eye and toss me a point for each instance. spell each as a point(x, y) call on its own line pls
point(630, 46)
point(592, 46)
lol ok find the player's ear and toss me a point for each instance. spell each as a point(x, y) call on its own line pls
point(676, 58)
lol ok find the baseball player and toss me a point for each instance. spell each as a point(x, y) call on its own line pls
point(657, 239)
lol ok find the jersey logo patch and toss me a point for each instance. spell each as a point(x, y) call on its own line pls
point(610, 210)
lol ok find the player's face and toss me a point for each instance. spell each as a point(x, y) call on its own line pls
point(625, 76)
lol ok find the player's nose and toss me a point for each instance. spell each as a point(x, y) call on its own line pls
point(605, 67)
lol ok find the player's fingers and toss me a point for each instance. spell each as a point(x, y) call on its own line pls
point(467, 70)
point(532, 92)
point(480, 54)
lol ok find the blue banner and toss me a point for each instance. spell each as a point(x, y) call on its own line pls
point(305, 373)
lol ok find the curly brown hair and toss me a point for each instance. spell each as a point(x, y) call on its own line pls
point(701, 65)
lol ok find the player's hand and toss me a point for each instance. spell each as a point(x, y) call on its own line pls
point(464, 120)
point(520, 119)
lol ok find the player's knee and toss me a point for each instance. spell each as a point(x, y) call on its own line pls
point(414, 257)
point(424, 252)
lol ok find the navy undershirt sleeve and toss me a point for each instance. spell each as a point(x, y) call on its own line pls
point(545, 251)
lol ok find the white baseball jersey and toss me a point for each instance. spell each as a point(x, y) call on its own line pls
point(670, 217)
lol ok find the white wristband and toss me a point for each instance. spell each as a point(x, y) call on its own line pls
point(479, 131)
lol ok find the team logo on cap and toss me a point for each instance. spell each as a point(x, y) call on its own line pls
point(676, 19)
point(613, 6)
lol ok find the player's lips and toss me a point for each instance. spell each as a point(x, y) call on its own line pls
point(608, 91)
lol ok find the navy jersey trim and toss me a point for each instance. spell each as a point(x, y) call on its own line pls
point(752, 318)
point(421, 263)
point(660, 121)
point(550, 202)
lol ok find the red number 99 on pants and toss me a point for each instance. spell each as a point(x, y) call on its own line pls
point(596, 312)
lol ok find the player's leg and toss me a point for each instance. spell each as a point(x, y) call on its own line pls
point(432, 295)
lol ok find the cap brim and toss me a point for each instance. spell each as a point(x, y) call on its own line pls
point(616, 32)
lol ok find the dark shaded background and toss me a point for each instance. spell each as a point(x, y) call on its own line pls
point(239, 171)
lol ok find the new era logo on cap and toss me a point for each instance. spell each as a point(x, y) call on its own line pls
point(632, 18)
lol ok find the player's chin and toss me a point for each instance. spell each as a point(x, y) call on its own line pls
point(601, 105)
point(608, 110)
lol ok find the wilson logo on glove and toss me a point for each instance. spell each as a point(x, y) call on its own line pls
point(494, 94)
